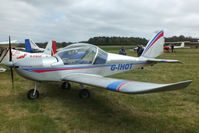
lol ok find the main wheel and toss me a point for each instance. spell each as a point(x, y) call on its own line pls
point(66, 85)
point(84, 94)
point(31, 94)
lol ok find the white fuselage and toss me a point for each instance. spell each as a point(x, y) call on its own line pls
point(53, 69)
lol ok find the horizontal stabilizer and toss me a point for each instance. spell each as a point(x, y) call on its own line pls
point(163, 61)
point(125, 86)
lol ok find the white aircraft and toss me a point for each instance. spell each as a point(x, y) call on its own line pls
point(17, 54)
point(31, 46)
point(182, 45)
point(2, 69)
point(88, 64)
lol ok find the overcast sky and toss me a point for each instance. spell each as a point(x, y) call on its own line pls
point(79, 20)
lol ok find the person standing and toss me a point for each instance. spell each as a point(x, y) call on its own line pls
point(140, 50)
point(172, 48)
point(122, 51)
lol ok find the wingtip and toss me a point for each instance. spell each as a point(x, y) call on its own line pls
point(180, 62)
point(184, 83)
point(188, 81)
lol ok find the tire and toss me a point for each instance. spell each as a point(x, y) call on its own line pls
point(66, 85)
point(84, 94)
point(31, 96)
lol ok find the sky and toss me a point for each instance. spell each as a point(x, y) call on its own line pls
point(79, 20)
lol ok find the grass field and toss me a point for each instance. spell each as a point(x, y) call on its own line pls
point(62, 111)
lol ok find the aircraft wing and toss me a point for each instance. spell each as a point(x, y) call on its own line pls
point(125, 86)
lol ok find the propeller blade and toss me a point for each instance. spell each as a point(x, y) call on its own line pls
point(10, 53)
point(10, 59)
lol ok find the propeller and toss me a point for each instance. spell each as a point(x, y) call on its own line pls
point(10, 60)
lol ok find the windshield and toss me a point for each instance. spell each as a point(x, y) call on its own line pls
point(78, 55)
point(82, 53)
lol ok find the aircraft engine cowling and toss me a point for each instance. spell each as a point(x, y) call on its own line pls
point(25, 68)
point(35, 62)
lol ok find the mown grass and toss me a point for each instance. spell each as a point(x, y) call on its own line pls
point(62, 111)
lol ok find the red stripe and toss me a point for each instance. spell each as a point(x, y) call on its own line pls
point(118, 89)
point(51, 70)
point(53, 48)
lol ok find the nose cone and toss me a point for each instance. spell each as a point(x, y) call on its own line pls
point(9, 64)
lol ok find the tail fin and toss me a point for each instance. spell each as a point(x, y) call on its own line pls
point(33, 45)
point(50, 48)
point(182, 44)
point(54, 50)
point(155, 46)
point(30, 46)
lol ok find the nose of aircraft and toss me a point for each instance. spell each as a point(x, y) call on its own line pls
point(9, 64)
point(35, 62)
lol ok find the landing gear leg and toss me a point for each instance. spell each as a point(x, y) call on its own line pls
point(84, 93)
point(33, 93)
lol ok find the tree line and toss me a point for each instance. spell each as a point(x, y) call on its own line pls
point(134, 40)
point(181, 38)
point(106, 41)
point(117, 40)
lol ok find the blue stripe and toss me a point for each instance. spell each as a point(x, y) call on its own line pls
point(113, 86)
point(29, 69)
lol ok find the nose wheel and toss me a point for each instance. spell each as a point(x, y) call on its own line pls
point(33, 93)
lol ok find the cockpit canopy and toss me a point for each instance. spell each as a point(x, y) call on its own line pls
point(82, 53)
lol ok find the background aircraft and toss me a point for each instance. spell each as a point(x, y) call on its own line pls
point(88, 64)
point(2, 69)
point(182, 45)
point(18, 54)
point(31, 47)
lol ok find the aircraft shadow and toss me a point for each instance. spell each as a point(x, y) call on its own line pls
point(100, 112)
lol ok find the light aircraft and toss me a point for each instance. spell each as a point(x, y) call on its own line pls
point(182, 45)
point(17, 54)
point(31, 47)
point(88, 64)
